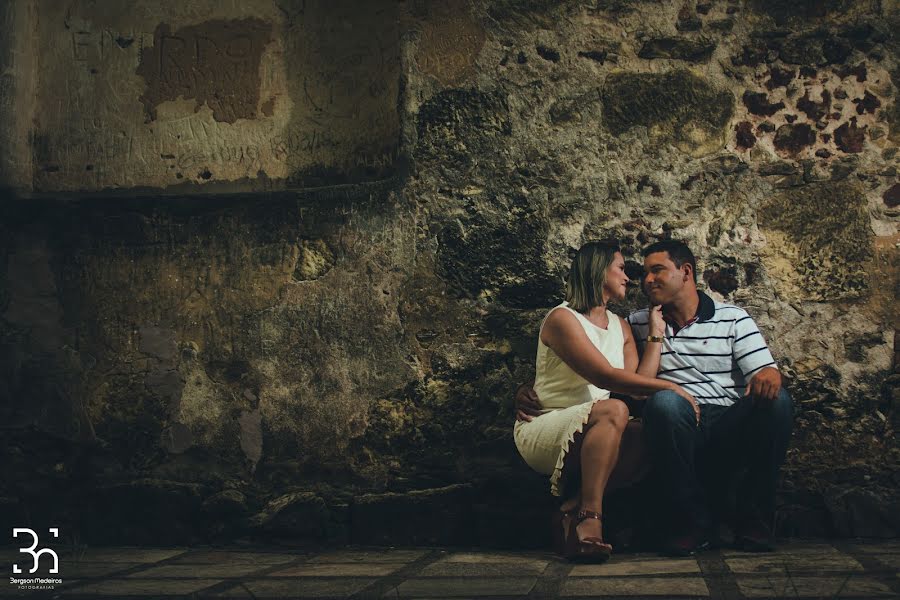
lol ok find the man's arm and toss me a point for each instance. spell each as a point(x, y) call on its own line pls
point(629, 351)
point(752, 356)
point(656, 327)
point(528, 405)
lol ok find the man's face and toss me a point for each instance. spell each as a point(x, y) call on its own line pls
point(663, 281)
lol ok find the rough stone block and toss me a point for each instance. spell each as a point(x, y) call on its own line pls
point(298, 514)
point(678, 48)
point(812, 243)
point(677, 107)
point(417, 517)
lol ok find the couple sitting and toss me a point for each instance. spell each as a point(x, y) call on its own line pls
point(714, 406)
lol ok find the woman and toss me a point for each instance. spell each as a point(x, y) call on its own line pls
point(584, 353)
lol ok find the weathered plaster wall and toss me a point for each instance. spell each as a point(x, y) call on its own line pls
point(156, 94)
point(17, 81)
point(330, 350)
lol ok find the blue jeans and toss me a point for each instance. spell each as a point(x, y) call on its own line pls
point(695, 465)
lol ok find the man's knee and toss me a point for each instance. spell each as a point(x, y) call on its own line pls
point(780, 408)
point(775, 416)
point(667, 407)
point(783, 405)
point(782, 411)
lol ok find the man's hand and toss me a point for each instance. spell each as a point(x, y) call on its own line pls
point(765, 384)
point(657, 325)
point(528, 406)
point(693, 401)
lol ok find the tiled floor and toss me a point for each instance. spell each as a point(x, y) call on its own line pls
point(797, 570)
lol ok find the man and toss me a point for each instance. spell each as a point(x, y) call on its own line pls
point(716, 352)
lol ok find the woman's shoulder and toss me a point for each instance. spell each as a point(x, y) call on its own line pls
point(560, 322)
point(561, 313)
point(560, 309)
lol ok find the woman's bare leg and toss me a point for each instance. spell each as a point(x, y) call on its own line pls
point(632, 466)
point(595, 453)
point(633, 460)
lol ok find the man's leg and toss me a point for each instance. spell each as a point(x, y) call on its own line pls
point(753, 434)
point(774, 422)
point(670, 433)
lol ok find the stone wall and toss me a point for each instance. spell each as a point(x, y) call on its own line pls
point(275, 268)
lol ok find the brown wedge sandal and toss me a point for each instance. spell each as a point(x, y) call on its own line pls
point(590, 549)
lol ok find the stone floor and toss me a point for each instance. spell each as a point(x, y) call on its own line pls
point(849, 569)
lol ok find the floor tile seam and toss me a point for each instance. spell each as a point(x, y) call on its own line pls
point(122, 572)
point(229, 583)
point(720, 581)
point(872, 566)
point(382, 584)
point(551, 580)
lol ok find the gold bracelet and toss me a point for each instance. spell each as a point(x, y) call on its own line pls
point(655, 338)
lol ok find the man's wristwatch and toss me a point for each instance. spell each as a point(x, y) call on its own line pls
point(655, 338)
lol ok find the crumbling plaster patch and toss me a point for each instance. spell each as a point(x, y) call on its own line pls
point(244, 94)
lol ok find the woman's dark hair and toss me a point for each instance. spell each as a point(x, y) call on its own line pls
point(588, 274)
point(678, 252)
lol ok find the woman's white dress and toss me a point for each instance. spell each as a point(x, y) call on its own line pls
point(567, 398)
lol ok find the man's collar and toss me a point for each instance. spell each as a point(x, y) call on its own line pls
point(706, 309)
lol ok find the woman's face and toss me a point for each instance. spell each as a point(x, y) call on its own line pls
point(616, 279)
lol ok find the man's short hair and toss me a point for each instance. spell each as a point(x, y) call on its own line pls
point(678, 252)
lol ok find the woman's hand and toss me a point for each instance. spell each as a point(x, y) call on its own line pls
point(681, 392)
point(657, 323)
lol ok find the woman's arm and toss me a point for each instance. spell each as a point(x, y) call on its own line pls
point(565, 336)
point(649, 365)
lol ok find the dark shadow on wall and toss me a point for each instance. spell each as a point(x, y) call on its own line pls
point(104, 356)
point(100, 347)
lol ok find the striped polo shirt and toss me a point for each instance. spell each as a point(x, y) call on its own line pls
point(712, 357)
